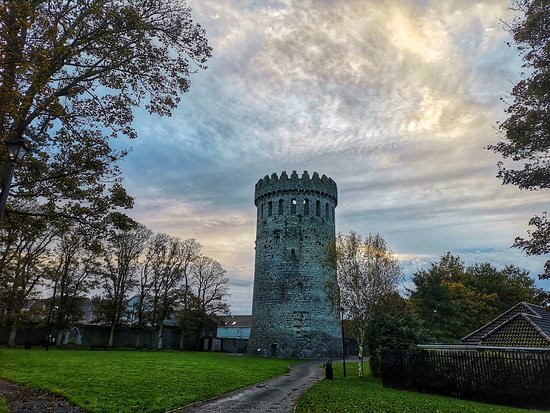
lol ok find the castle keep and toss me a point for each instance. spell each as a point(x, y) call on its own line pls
point(291, 314)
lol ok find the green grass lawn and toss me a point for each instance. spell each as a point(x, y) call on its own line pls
point(3, 405)
point(353, 395)
point(130, 381)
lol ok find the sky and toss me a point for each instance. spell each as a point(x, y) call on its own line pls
point(395, 100)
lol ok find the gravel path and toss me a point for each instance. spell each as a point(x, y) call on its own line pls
point(22, 399)
point(278, 395)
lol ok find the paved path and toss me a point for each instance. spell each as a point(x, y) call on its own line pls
point(278, 395)
point(22, 399)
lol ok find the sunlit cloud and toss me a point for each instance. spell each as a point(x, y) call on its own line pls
point(394, 100)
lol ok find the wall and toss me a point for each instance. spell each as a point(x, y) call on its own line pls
point(98, 335)
point(233, 332)
point(291, 314)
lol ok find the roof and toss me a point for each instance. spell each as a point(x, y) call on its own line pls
point(536, 315)
point(543, 319)
point(236, 321)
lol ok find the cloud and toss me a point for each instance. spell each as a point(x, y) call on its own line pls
point(394, 100)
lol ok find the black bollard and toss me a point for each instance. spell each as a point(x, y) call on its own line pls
point(329, 373)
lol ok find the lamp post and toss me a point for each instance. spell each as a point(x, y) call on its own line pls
point(16, 152)
point(343, 340)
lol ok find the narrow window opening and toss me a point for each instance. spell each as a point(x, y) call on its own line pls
point(318, 208)
point(281, 206)
point(326, 211)
point(333, 218)
point(277, 237)
point(262, 210)
point(293, 254)
point(306, 206)
point(269, 208)
point(293, 206)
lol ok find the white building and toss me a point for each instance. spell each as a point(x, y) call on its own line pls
point(235, 326)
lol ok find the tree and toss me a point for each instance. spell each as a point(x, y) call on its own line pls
point(144, 285)
point(166, 263)
point(453, 300)
point(191, 251)
point(25, 250)
point(439, 298)
point(169, 259)
point(526, 131)
point(71, 72)
point(393, 326)
point(72, 272)
point(187, 311)
point(209, 288)
point(120, 259)
point(367, 272)
point(539, 242)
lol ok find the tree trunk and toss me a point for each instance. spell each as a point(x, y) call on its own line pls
point(360, 364)
point(182, 336)
point(13, 333)
point(138, 339)
point(112, 335)
point(59, 338)
point(159, 340)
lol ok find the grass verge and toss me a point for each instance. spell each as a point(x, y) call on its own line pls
point(3, 405)
point(131, 381)
point(353, 394)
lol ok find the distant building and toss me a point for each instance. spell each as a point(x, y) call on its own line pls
point(37, 310)
point(130, 316)
point(235, 326)
point(523, 325)
point(229, 336)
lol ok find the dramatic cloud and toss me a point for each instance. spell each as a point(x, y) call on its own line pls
point(394, 100)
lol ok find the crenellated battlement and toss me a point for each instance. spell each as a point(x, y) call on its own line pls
point(271, 185)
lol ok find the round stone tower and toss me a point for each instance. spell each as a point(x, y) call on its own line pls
point(291, 313)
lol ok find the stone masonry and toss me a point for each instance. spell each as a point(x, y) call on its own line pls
point(291, 315)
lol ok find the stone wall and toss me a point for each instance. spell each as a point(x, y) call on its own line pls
point(97, 335)
point(233, 345)
point(291, 315)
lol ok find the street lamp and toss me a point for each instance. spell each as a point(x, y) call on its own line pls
point(343, 340)
point(16, 152)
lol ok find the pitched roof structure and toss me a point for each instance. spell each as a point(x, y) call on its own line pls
point(525, 324)
point(237, 321)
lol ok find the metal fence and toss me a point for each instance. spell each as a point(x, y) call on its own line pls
point(515, 378)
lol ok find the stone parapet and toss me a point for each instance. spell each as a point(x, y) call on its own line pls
point(272, 185)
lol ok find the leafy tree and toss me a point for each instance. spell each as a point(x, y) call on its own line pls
point(539, 242)
point(510, 284)
point(192, 321)
point(432, 299)
point(453, 300)
point(71, 73)
point(526, 131)
point(367, 272)
point(393, 326)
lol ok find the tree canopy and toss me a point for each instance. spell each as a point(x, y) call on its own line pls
point(367, 272)
point(526, 130)
point(71, 73)
point(453, 300)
